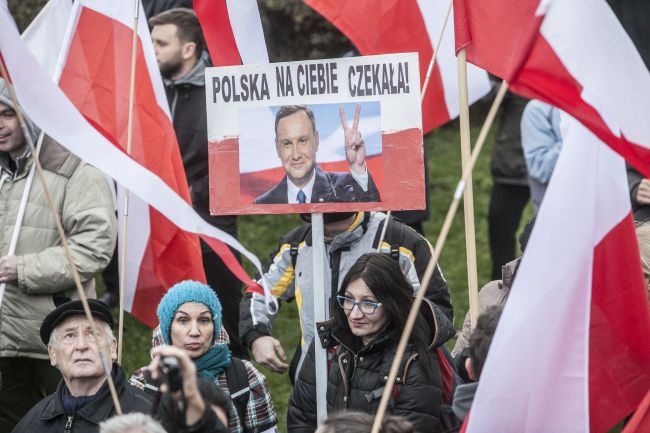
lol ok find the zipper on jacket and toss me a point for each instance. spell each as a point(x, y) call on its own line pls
point(174, 101)
point(354, 369)
point(355, 357)
point(68, 425)
point(345, 382)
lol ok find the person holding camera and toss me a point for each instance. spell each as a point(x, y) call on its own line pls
point(183, 407)
point(190, 320)
point(82, 399)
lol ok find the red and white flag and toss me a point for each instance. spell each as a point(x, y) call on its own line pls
point(572, 54)
point(395, 26)
point(95, 75)
point(571, 352)
point(163, 247)
point(232, 31)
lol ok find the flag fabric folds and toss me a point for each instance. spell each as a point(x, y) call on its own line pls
point(640, 421)
point(99, 137)
point(44, 35)
point(232, 31)
point(393, 26)
point(571, 352)
point(95, 76)
point(590, 70)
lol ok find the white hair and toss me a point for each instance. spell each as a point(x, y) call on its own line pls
point(131, 423)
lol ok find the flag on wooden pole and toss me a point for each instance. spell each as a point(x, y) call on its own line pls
point(394, 26)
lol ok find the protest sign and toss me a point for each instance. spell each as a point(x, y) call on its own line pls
point(357, 146)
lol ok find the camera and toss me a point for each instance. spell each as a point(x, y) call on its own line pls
point(170, 373)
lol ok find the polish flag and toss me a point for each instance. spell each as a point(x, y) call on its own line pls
point(162, 243)
point(571, 352)
point(233, 31)
point(572, 54)
point(395, 26)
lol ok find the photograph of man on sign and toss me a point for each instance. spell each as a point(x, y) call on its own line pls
point(296, 144)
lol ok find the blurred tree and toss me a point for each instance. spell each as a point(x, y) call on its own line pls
point(24, 11)
point(294, 31)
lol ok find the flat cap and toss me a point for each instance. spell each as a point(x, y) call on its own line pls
point(98, 309)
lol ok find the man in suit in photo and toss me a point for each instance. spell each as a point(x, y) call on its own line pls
point(296, 143)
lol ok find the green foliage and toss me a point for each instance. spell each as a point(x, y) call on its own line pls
point(294, 31)
point(443, 149)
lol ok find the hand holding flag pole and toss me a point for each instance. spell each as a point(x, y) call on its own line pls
point(64, 241)
point(21, 210)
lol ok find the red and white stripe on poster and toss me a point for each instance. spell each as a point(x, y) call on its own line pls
point(316, 136)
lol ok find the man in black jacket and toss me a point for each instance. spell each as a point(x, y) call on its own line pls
point(179, 46)
point(82, 399)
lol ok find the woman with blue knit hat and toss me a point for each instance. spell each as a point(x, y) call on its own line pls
point(190, 318)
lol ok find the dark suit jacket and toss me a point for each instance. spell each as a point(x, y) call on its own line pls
point(328, 187)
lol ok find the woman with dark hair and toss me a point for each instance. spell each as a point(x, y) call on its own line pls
point(368, 317)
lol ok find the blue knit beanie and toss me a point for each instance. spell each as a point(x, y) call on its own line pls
point(181, 293)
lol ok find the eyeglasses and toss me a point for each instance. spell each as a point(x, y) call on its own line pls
point(366, 307)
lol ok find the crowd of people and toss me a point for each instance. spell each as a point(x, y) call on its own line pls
point(58, 369)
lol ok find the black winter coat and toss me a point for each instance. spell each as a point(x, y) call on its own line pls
point(356, 379)
point(507, 164)
point(186, 98)
point(49, 415)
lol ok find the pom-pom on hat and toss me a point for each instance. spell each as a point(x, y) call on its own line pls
point(181, 293)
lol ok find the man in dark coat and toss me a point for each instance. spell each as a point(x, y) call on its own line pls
point(296, 143)
point(82, 399)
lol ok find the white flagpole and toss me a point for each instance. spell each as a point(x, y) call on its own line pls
point(320, 313)
point(21, 210)
point(129, 141)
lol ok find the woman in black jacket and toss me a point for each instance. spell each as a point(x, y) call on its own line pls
point(369, 315)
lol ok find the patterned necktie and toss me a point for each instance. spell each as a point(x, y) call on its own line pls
point(301, 197)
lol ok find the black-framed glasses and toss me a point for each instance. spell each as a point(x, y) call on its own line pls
point(366, 307)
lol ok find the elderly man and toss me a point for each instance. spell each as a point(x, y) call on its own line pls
point(37, 273)
point(296, 143)
point(83, 400)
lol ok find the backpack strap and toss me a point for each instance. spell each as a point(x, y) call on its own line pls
point(396, 239)
point(294, 239)
point(394, 235)
point(238, 386)
point(293, 252)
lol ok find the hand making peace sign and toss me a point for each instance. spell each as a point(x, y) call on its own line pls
point(355, 149)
